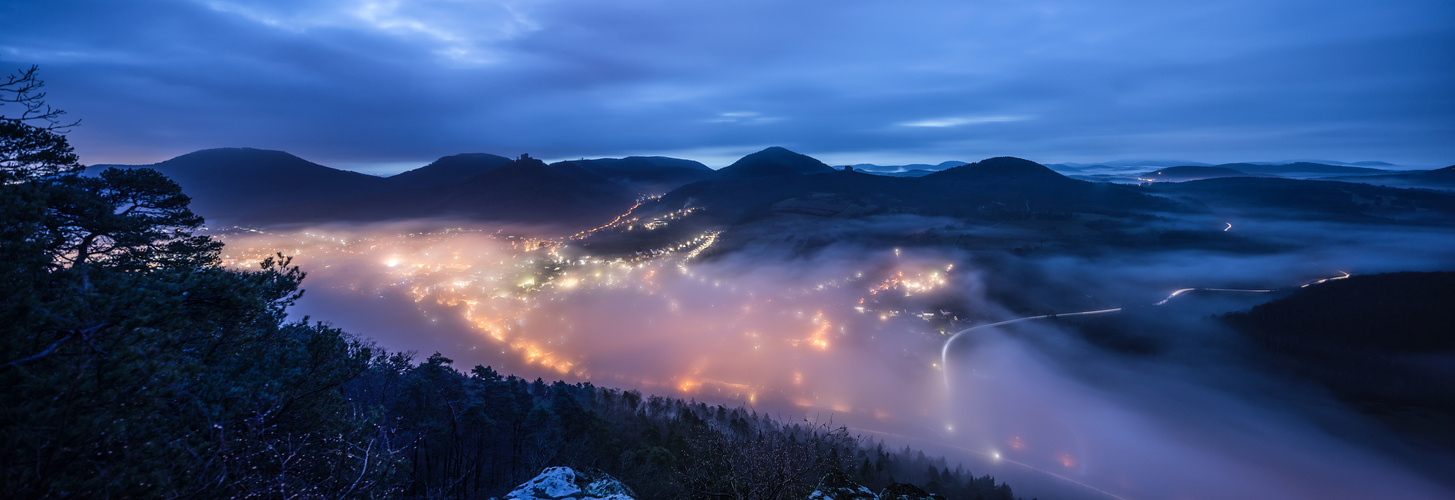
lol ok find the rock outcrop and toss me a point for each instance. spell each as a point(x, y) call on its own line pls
point(836, 486)
point(561, 483)
point(904, 491)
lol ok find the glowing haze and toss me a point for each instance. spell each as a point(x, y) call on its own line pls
point(854, 335)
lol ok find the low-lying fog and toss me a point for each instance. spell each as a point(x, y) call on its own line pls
point(855, 336)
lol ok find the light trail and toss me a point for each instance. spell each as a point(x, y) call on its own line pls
point(620, 219)
point(1185, 290)
point(1230, 226)
point(1345, 276)
point(945, 368)
point(945, 350)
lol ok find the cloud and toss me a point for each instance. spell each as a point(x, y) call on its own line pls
point(744, 117)
point(962, 120)
point(391, 81)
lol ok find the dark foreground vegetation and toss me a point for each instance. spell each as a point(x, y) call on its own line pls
point(134, 365)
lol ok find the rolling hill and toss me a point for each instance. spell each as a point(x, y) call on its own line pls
point(446, 170)
point(525, 190)
point(1190, 173)
point(645, 174)
point(773, 162)
point(993, 188)
point(226, 184)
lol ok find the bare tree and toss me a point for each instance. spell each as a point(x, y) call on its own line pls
point(768, 464)
point(24, 88)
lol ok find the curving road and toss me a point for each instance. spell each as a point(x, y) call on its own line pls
point(945, 350)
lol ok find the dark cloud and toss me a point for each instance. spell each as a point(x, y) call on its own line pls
point(361, 82)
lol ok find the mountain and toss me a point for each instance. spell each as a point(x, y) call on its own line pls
point(228, 183)
point(446, 170)
point(774, 162)
point(645, 174)
point(525, 190)
point(994, 188)
point(254, 186)
point(1003, 170)
point(1190, 173)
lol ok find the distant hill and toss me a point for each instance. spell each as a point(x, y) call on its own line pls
point(774, 162)
point(1004, 170)
point(1301, 169)
point(525, 190)
point(1325, 162)
point(910, 170)
point(1138, 163)
point(446, 170)
point(1190, 173)
point(1441, 178)
point(253, 186)
point(228, 183)
point(646, 174)
point(993, 188)
point(1295, 198)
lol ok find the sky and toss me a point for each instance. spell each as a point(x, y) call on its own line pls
point(384, 86)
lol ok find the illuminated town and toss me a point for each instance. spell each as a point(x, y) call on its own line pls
point(726, 333)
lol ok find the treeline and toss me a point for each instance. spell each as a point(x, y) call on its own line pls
point(478, 435)
point(133, 365)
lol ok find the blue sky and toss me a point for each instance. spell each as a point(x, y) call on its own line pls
point(387, 85)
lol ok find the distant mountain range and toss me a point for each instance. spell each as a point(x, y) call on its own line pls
point(1295, 170)
point(911, 170)
point(977, 190)
point(1191, 173)
point(253, 186)
point(1441, 178)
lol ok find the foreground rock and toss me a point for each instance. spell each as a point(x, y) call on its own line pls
point(836, 486)
point(559, 483)
point(903, 491)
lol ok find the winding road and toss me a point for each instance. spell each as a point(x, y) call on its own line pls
point(945, 350)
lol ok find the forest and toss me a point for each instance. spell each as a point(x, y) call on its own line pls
point(135, 365)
